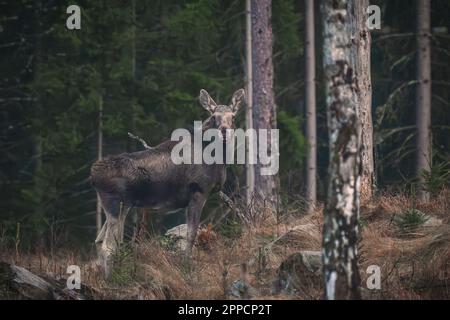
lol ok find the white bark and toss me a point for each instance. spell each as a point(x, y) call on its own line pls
point(340, 233)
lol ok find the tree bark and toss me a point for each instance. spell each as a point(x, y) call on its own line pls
point(134, 213)
point(340, 232)
point(19, 283)
point(99, 157)
point(249, 169)
point(310, 102)
point(264, 109)
point(423, 96)
point(361, 43)
point(39, 175)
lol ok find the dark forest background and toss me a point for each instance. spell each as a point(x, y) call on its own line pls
point(146, 67)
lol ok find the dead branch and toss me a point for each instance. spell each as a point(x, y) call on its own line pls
point(19, 283)
point(142, 141)
point(233, 207)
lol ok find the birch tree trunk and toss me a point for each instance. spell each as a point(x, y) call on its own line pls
point(361, 43)
point(249, 169)
point(264, 109)
point(340, 232)
point(423, 96)
point(310, 101)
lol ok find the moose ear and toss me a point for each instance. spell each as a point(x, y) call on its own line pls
point(237, 100)
point(206, 101)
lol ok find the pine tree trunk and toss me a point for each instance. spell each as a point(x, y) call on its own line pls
point(99, 157)
point(249, 169)
point(340, 232)
point(361, 64)
point(134, 213)
point(264, 109)
point(423, 96)
point(310, 101)
point(38, 138)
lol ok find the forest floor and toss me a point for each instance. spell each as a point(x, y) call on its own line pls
point(410, 244)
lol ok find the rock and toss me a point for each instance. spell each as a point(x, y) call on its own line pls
point(298, 272)
point(175, 238)
point(306, 235)
point(313, 261)
point(241, 290)
point(180, 230)
point(432, 222)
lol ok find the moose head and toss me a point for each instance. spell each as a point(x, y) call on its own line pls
point(222, 116)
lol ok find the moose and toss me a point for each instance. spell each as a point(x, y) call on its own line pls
point(149, 179)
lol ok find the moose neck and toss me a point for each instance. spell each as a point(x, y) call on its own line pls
point(224, 151)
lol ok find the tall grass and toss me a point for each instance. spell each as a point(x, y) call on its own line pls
point(413, 267)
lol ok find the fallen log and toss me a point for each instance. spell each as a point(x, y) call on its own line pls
point(18, 283)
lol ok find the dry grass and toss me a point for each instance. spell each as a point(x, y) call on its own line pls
point(413, 267)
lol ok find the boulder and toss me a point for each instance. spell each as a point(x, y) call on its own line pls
point(180, 230)
point(175, 238)
point(241, 290)
point(432, 222)
point(307, 236)
point(298, 272)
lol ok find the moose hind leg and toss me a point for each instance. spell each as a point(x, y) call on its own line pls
point(194, 212)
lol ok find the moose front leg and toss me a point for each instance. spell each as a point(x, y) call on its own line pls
point(101, 234)
point(194, 212)
point(113, 236)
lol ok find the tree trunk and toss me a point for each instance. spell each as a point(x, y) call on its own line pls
point(39, 176)
point(310, 101)
point(135, 211)
point(423, 96)
point(264, 109)
point(99, 157)
point(249, 169)
point(361, 65)
point(17, 283)
point(340, 232)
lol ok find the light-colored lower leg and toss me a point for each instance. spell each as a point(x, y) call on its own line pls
point(101, 234)
point(113, 237)
point(109, 244)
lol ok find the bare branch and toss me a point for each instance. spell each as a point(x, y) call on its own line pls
point(233, 207)
point(142, 141)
